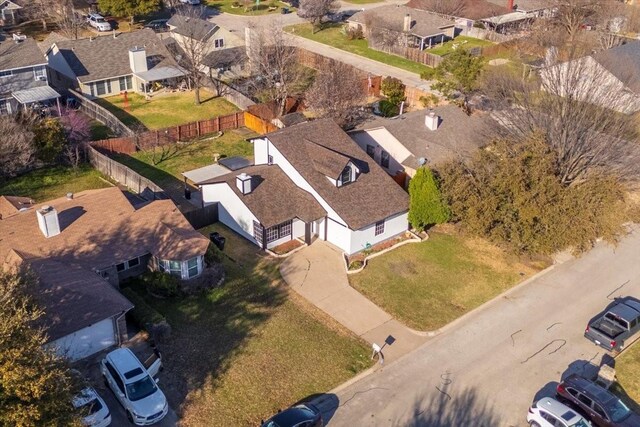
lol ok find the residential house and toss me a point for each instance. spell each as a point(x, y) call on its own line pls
point(109, 65)
point(81, 247)
point(23, 75)
point(220, 50)
point(595, 77)
point(395, 27)
point(310, 180)
point(9, 13)
point(402, 144)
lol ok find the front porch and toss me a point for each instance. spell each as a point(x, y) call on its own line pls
point(276, 235)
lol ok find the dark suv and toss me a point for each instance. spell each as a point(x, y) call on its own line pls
point(601, 406)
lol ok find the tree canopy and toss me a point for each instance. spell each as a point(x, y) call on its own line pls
point(458, 72)
point(129, 8)
point(426, 206)
point(315, 10)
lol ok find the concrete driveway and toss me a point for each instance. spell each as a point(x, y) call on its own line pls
point(317, 273)
point(488, 369)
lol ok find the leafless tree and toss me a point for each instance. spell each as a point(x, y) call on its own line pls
point(17, 150)
point(274, 62)
point(69, 20)
point(442, 7)
point(383, 33)
point(315, 10)
point(193, 42)
point(41, 10)
point(338, 93)
point(580, 110)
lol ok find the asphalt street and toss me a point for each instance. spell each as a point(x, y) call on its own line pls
point(486, 369)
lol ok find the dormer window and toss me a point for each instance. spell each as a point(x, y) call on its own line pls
point(345, 176)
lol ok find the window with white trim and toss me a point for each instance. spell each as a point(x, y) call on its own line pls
point(103, 87)
point(128, 264)
point(175, 268)
point(5, 106)
point(7, 73)
point(39, 73)
point(371, 151)
point(257, 232)
point(278, 231)
point(126, 83)
point(345, 176)
point(218, 43)
point(379, 227)
point(192, 267)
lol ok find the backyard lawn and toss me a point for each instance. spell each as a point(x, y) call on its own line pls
point(52, 183)
point(239, 353)
point(427, 285)
point(333, 36)
point(185, 157)
point(165, 110)
point(628, 376)
point(235, 7)
point(459, 42)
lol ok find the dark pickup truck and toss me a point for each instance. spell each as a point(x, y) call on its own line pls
point(619, 323)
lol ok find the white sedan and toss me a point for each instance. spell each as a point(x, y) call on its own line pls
point(93, 408)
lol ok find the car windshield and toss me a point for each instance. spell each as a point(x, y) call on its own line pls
point(617, 410)
point(100, 20)
point(141, 388)
point(580, 423)
point(91, 407)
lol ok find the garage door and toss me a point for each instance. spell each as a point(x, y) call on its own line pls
point(87, 341)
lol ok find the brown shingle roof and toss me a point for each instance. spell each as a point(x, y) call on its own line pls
point(10, 205)
point(19, 55)
point(470, 9)
point(373, 196)
point(100, 228)
point(104, 57)
point(74, 298)
point(274, 198)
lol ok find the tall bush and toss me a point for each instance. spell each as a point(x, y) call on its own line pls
point(426, 206)
point(393, 89)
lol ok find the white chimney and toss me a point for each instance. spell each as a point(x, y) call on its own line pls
point(407, 23)
point(432, 121)
point(48, 221)
point(138, 59)
point(243, 182)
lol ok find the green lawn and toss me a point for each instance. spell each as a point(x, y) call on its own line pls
point(227, 6)
point(628, 376)
point(52, 183)
point(332, 35)
point(427, 285)
point(239, 353)
point(100, 131)
point(459, 42)
point(165, 110)
point(181, 158)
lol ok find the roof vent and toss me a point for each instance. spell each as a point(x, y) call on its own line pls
point(69, 196)
point(243, 182)
point(48, 221)
point(17, 37)
point(432, 121)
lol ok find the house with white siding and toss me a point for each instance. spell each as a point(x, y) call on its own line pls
point(310, 180)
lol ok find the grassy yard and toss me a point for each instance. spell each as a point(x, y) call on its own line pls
point(165, 110)
point(459, 42)
point(427, 285)
point(239, 353)
point(628, 376)
point(51, 183)
point(332, 35)
point(181, 158)
point(227, 6)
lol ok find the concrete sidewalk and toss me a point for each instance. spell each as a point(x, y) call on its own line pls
point(317, 273)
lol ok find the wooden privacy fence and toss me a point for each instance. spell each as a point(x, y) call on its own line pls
point(101, 114)
point(423, 57)
point(155, 138)
point(257, 124)
point(201, 217)
point(125, 176)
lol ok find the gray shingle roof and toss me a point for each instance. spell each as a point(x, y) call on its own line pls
point(274, 198)
point(194, 28)
point(623, 62)
point(457, 135)
point(19, 55)
point(372, 197)
point(392, 17)
point(105, 57)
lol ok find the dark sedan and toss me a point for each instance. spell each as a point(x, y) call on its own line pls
point(304, 415)
point(598, 404)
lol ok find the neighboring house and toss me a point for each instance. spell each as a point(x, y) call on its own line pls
point(612, 71)
point(220, 50)
point(403, 144)
point(109, 65)
point(9, 12)
point(81, 246)
point(395, 26)
point(310, 180)
point(23, 75)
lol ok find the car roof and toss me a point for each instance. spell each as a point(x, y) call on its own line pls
point(85, 396)
point(126, 363)
point(558, 409)
point(593, 390)
point(96, 15)
point(625, 311)
point(293, 416)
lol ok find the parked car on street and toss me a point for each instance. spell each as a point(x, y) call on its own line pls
point(191, 2)
point(619, 323)
point(98, 22)
point(601, 406)
point(303, 415)
point(134, 387)
point(157, 25)
point(548, 412)
point(95, 412)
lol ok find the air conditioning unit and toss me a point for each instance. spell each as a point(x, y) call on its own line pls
point(42, 78)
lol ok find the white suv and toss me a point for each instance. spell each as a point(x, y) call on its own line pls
point(98, 22)
point(134, 388)
point(548, 412)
